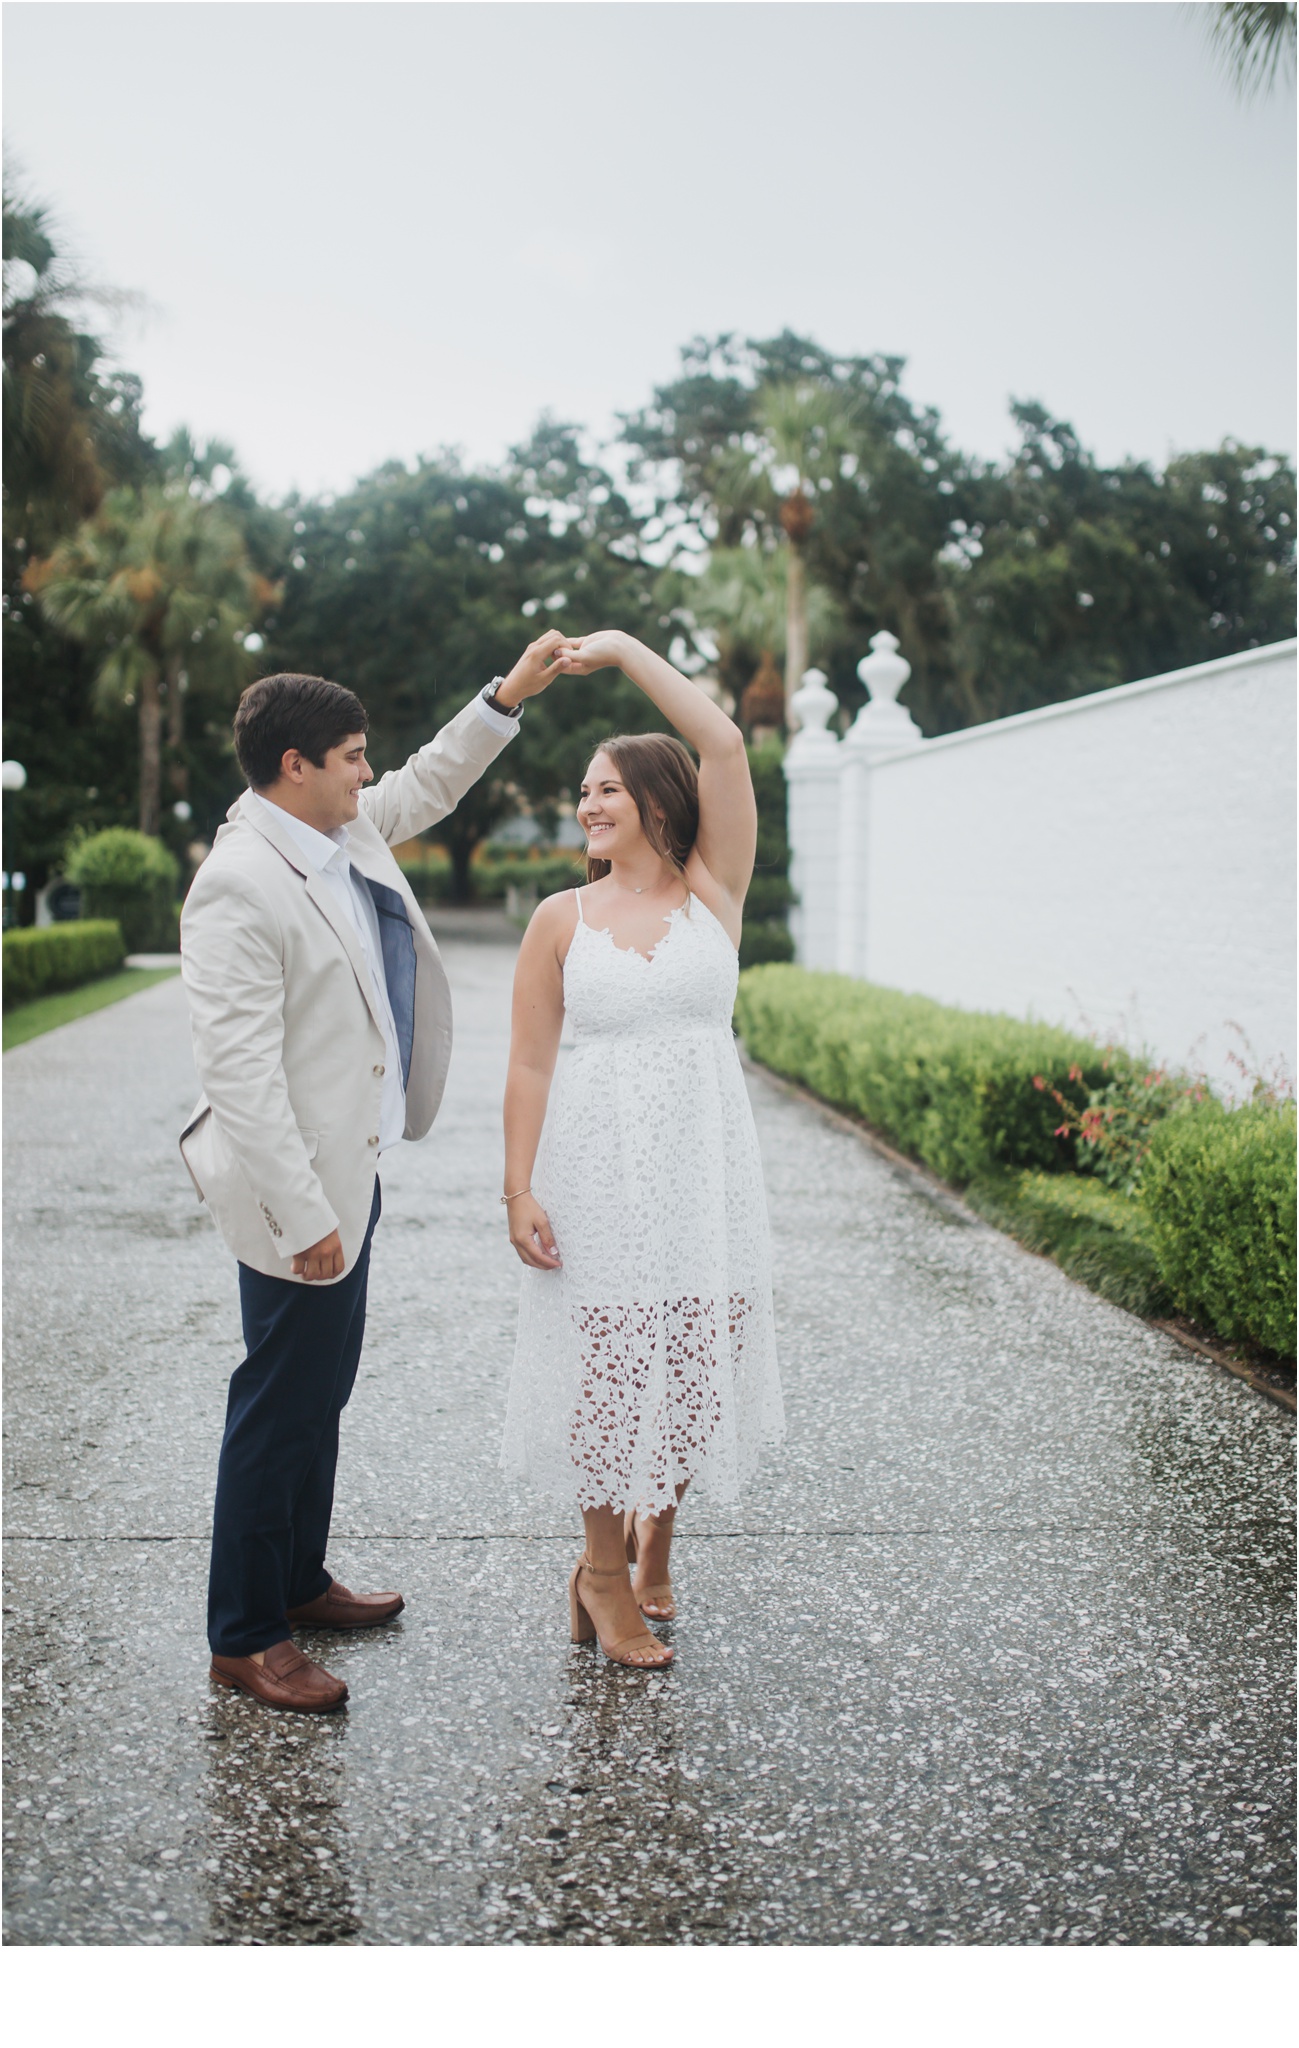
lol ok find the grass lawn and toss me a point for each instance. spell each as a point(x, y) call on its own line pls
point(29, 1020)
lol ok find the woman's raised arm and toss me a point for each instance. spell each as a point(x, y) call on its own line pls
point(728, 816)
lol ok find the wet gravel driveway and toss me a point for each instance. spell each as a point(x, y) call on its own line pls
point(999, 1649)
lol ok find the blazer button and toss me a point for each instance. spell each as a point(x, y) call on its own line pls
point(379, 1071)
point(372, 1141)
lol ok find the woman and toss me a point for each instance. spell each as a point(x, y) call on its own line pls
point(646, 1352)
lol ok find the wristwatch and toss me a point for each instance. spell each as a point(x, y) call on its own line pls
point(488, 695)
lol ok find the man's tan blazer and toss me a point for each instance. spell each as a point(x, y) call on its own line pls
point(283, 1143)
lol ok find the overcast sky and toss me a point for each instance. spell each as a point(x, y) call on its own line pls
point(368, 230)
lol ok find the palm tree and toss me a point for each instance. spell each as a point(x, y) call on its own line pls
point(1256, 41)
point(70, 430)
point(802, 434)
point(159, 584)
point(50, 460)
point(743, 597)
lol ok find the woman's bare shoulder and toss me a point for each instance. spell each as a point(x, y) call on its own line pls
point(555, 910)
point(550, 927)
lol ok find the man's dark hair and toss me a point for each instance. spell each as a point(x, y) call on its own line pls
point(281, 712)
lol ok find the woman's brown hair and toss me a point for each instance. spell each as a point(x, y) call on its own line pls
point(659, 775)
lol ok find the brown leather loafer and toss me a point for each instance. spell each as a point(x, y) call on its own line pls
point(285, 1679)
point(340, 1609)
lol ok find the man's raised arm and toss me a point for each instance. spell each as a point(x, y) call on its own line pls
point(407, 800)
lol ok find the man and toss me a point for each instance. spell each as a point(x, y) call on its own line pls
point(321, 1022)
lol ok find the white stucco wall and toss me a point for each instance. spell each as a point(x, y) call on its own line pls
point(1125, 862)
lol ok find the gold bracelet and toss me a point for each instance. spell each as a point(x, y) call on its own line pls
point(515, 1196)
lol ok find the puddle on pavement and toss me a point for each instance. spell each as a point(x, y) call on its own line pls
point(275, 1866)
point(616, 1844)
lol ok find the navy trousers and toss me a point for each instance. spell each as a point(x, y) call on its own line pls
point(275, 1479)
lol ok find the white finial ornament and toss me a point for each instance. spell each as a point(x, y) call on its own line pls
point(883, 725)
point(814, 705)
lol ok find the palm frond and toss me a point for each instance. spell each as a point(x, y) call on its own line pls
point(121, 675)
point(1255, 40)
point(742, 596)
point(807, 425)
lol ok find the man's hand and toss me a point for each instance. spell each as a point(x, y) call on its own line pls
point(323, 1261)
point(534, 671)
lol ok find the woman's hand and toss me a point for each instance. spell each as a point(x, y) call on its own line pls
point(728, 818)
point(531, 1234)
point(594, 650)
point(535, 669)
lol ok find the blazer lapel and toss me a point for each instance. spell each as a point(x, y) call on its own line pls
point(319, 892)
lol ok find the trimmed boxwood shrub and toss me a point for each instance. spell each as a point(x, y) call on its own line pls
point(1206, 1226)
point(492, 874)
point(765, 934)
point(548, 874)
point(956, 1088)
point(760, 943)
point(133, 878)
point(58, 956)
point(1219, 1187)
point(1099, 1236)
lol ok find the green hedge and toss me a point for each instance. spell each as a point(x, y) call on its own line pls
point(1219, 1187)
point(1099, 1236)
point(133, 878)
point(956, 1088)
point(548, 875)
point(765, 934)
point(1207, 1224)
point(492, 874)
point(59, 956)
point(760, 943)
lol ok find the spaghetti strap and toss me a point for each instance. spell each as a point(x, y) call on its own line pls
point(577, 893)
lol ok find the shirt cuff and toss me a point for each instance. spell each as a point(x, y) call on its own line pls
point(499, 721)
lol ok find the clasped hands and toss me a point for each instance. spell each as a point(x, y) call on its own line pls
point(556, 654)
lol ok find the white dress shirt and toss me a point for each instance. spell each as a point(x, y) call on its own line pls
point(327, 854)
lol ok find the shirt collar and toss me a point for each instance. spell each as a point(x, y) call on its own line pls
point(319, 848)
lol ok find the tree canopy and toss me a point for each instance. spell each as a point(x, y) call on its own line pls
point(1008, 585)
point(421, 584)
point(71, 433)
point(771, 488)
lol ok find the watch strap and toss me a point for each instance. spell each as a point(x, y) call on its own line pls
point(488, 695)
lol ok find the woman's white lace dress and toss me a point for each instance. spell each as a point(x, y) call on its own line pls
point(649, 1357)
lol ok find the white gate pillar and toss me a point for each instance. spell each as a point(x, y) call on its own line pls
point(830, 807)
point(881, 727)
point(812, 772)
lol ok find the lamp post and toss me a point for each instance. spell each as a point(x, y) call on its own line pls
point(13, 777)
